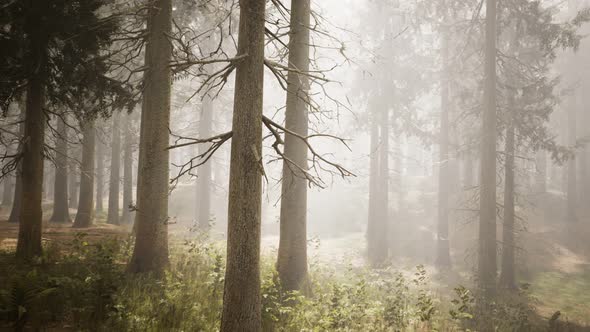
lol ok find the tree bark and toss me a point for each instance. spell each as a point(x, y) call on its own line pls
point(49, 183)
point(127, 171)
point(84, 214)
point(241, 297)
point(31, 214)
point(16, 202)
point(572, 189)
point(100, 155)
point(373, 218)
point(140, 159)
point(487, 214)
point(18, 184)
point(8, 194)
point(292, 255)
point(443, 256)
point(73, 180)
point(468, 175)
point(507, 275)
point(115, 177)
point(8, 184)
point(541, 176)
point(150, 253)
point(383, 198)
point(399, 165)
point(61, 213)
point(584, 161)
point(204, 172)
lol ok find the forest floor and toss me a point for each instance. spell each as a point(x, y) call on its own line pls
point(557, 268)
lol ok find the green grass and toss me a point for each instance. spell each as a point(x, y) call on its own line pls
point(83, 286)
point(568, 293)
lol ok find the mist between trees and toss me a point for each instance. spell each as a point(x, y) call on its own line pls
point(252, 165)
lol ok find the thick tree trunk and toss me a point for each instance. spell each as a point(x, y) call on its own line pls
point(507, 275)
point(115, 177)
point(140, 161)
point(31, 214)
point(151, 244)
point(204, 172)
point(487, 214)
point(61, 213)
point(127, 171)
point(443, 257)
point(292, 256)
point(84, 215)
point(241, 297)
point(100, 156)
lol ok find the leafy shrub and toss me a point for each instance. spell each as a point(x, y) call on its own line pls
point(86, 288)
point(25, 301)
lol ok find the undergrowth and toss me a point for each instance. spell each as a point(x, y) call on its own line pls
point(84, 287)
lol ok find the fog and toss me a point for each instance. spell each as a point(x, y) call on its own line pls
point(252, 165)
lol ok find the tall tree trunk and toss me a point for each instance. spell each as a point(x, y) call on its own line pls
point(8, 194)
point(151, 244)
point(507, 275)
point(572, 190)
point(468, 175)
point(9, 179)
point(84, 215)
point(204, 172)
point(115, 177)
point(74, 179)
point(487, 214)
point(49, 183)
point(127, 171)
point(399, 145)
point(383, 190)
point(373, 217)
point(292, 256)
point(17, 201)
point(541, 175)
point(100, 156)
point(241, 296)
point(584, 161)
point(18, 184)
point(140, 161)
point(443, 257)
point(44, 185)
point(61, 211)
point(31, 213)
point(564, 135)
